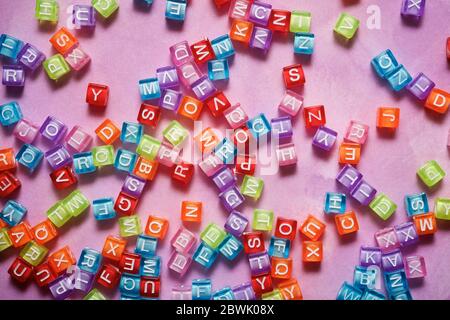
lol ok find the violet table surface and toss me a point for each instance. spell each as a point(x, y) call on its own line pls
point(136, 42)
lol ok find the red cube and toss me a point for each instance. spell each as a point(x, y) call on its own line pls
point(63, 178)
point(20, 270)
point(314, 116)
point(253, 242)
point(43, 274)
point(262, 284)
point(149, 115)
point(97, 95)
point(279, 20)
point(220, 3)
point(125, 204)
point(202, 51)
point(108, 276)
point(183, 172)
point(286, 228)
point(293, 76)
point(245, 164)
point(242, 138)
point(130, 262)
point(218, 103)
point(150, 287)
point(8, 184)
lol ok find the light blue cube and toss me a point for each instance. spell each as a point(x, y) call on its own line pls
point(399, 78)
point(125, 160)
point(384, 63)
point(416, 204)
point(259, 126)
point(130, 285)
point(150, 267)
point(29, 156)
point(83, 163)
point(205, 256)
point(13, 213)
point(335, 202)
point(201, 289)
point(10, 113)
point(176, 10)
point(279, 247)
point(223, 47)
point(304, 43)
point(225, 151)
point(103, 209)
point(230, 247)
point(149, 89)
point(372, 295)
point(10, 46)
point(146, 246)
point(348, 292)
point(401, 295)
point(218, 70)
point(90, 260)
point(366, 278)
point(131, 132)
point(395, 282)
point(224, 294)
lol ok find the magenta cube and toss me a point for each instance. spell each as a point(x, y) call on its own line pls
point(53, 130)
point(179, 263)
point(260, 13)
point(183, 240)
point(203, 88)
point(421, 86)
point(369, 256)
point(291, 103)
point(26, 131)
point(357, 132)
point(415, 267)
point(282, 128)
point(134, 186)
point(392, 261)
point(30, 57)
point(180, 53)
point(349, 177)
point(188, 73)
point(211, 164)
point(413, 8)
point(261, 39)
point(78, 139)
point(62, 287)
point(406, 234)
point(83, 16)
point(58, 157)
point(386, 239)
point(77, 58)
point(236, 116)
point(325, 138)
point(259, 263)
point(170, 100)
point(236, 224)
point(167, 77)
point(286, 155)
point(13, 76)
point(224, 179)
point(231, 198)
point(363, 193)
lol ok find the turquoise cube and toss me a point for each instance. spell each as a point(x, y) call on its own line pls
point(304, 43)
point(335, 202)
point(279, 247)
point(149, 89)
point(176, 10)
point(131, 132)
point(395, 282)
point(13, 213)
point(146, 246)
point(83, 163)
point(10, 46)
point(201, 289)
point(401, 295)
point(130, 285)
point(29, 156)
point(384, 63)
point(103, 209)
point(150, 267)
point(205, 256)
point(416, 204)
point(230, 247)
point(125, 160)
point(372, 295)
point(348, 292)
point(366, 278)
point(218, 70)
point(224, 294)
point(90, 260)
point(225, 151)
point(223, 47)
point(259, 126)
point(10, 113)
point(399, 78)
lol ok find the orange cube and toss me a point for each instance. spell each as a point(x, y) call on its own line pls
point(388, 118)
point(7, 159)
point(145, 168)
point(207, 140)
point(114, 248)
point(241, 31)
point(63, 41)
point(156, 227)
point(191, 211)
point(312, 251)
point(108, 132)
point(44, 232)
point(346, 223)
point(349, 153)
point(438, 100)
point(425, 223)
point(190, 108)
point(281, 268)
point(312, 228)
point(59, 261)
point(20, 234)
point(290, 290)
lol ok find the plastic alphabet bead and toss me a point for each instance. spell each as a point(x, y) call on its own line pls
point(130, 285)
point(324, 138)
point(175, 133)
point(20, 270)
point(241, 31)
point(183, 172)
point(90, 260)
point(58, 215)
point(113, 248)
point(290, 290)
point(211, 165)
point(149, 89)
point(223, 47)
point(244, 292)
point(206, 140)
point(47, 10)
point(252, 187)
point(392, 261)
point(291, 103)
point(94, 294)
point(383, 206)
point(286, 228)
point(312, 251)
point(218, 103)
point(131, 132)
point(395, 282)
point(304, 43)
point(363, 192)
point(300, 22)
point(60, 260)
point(349, 177)
point(105, 8)
point(176, 10)
point(416, 204)
point(149, 115)
point(203, 88)
point(181, 292)
point(205, 255)
point(191, 211)
point(10, 46)
point(8, 184)
point(282, 128)
point(335, 202)
point(239, 9)
point(286, 155)
point(29, 156)
point(188, 73)
point(293, 76)
point(431, 173)
point(399, 78)
point(406, 234)
point(168, 155)
point(13, 76)
point(425, 224)
point(279, 247)
point(130, 263)
point(183, 240)
point(170, 99)
point(438, 100)
point(415, 267)
point(83, 16)
point(369, 256)
point(43, 275)
point(314, 116)
point(218, 70)
point(223, 294)
point(83, 163)
point(348, 292)
point(413, 8)
point(97, 95)
point(281, 268)
point(262, 220)
point(76, 203)
point(202, 51)
point(20, 234)
point(108, 132)
point(148, 147)
point(312, 228)
point(10, 114)
point(56, 67)
point(346, 223)
point(245, 165)
point(83, 280)
point(225, 151)
point(53, 130)
point(180, 53)
point(190, 108)
point(201, 289)
point(103, 209)
point(261, 39)
point(260, 13)
point(236, 224)
point(58, 157)
point(5, 241)
point(420, 86)
point(387, 239)
point(279, 20)
point(346, 26)
point(64, 177)
point(384, 64)
point(30, 57)
point(125, 160)
point(356, 132)
point(13, 213)
point(146, 246)
point(442, 208)
point(235, 116)
point(231, 247)
point(366, 278)
point(103, 155)
point(133, 186)
point(259, 126)
point(151, 267)
point(7, 159)
point(213, 236)
point(44, 232)
point(179, 263)
point(262, 284)
point(77, 139)
point(259, 264)
point(63, 41)
point(33, 253)
point(125, 204)
point(145, 169)
point(130, 226)
point(388, 118)
point(253, 242)
point(25, 130)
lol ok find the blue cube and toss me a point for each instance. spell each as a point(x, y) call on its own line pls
point(223, 47)
point(150, 267)
point(10, 46)
point(304, 43)
point(230, 247)
point(225, 151)
point(259, 126)
point(146, 246)
point(83, 163)
point(13, 213)
point(395, 282)
point(131, 132)
point(149, 89)
point(130, 285)
point(335, 202)
point(224, 294)
point(401, 295)
point(176, 10)
point(384, 63)
point(372, 295)
point(348, 292)
point(103, 209)
point(399, 78)
point(366, 278)
point(218, 70)
point(125, 160)
point(10, 113)
point(90, 260)
point(279, 247)
point(205, 256)
point(201, 289)
point(416, 204)
point(29, 156)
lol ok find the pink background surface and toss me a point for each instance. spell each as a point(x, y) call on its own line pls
point(136, 42)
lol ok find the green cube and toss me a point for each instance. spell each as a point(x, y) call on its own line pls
point(273, 295)
point(262, 220)
point(56, 67)
point(300, 21)
point(383, 206)
point(130, 226)
point(103, 155)
point(33, 253)
point(213, 235)
point(431, 173)
point(76, 203)
point(175, 133)
point(58, 214)
point(94, 294)
point(46, 10)
point(441, 208)
point(148, 147)
point(105, 7)
point(346, 26)
point(5, 241)
point(252, 187)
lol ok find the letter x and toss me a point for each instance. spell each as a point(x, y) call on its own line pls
point(313, 252)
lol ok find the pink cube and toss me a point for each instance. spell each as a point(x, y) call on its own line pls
point(183, 240)
point(26, 131)
point(291, 103)
point(180, 53)
point(356, 132)
point(77, 59)
point(211, 165)
point(78, 140)
point(387, 239)
point(188, 73)
point(235, 116)
point(415, 267)
point(167, 155)
point(286, 155)
point(179, 263)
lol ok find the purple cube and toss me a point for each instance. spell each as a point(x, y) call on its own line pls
point(325, 138)
point(133, 186)
point(261, 39)
point(282, 128)
point(260, 13)
point(30, 57)
point(84, 280)
point(170, 100)
point(13, 76)
point(224, 179)
point(62, 287)
point(421, 86)
point(236, 223)
point(363, 193)
point(392, 261)
point(167, 77)
point(386, 239)
point(369, 256)
point(415, 267)
point(231, 198)
point(259, 263)
point(83, 16)
point(244, 292)
point(53, 130)
point(406, 234)
point(413, 8)
point(349, 177)
point(58, 157)
point(203, 88)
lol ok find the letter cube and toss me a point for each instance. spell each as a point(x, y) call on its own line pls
point(183, 172)
point(236, 224)
point(131, 132)
point(150, 287)
point(388, 118)
point(176, 10)
point(75, 203)
point(387, 240)
point(413, 8)
point(58, 214)
point(438, 100)
point(241, 31)
point(406, 234)
point(10, 46)
point(53, 130)
point(279, 247)
point(97, 95)
point(291, 103)
point(133, 186)
point(261, 39)
point(5, 241)
point(442, 208)
point(383, 206)
point(235, 116)
point(399, 78)
point(218, 70)
point(130, 263)
point(13, 76)
point(103, 209)
point(346, 26)
point(125, 204)
point(44, 232)
point(90, 260)
point(304, 43)
point(149, 115)
point(348, 292)
point(425, 224)
point(78, 139)
point(149, 89)
point(175, 133)
point(56, 67)
point(226, 151)
point(431, 173)
point(29, 156)
point(190, 108)
point(259, 264)
point(213, 236)
point(10, 114)
point(262, 284)
point(293, 76)
point(203, 88)
point(179, 263)
point(262, 220)
point(290, 290)
point(223, 47)
point(13, 213)
point(183, 240)
point(108, 276)
point(363, 192)
point(47, 10)
point(282, 128)
point(312, 228)
point(231, 198)
point(170, 99)
point(125, 160)
point(146, 246)
point(58, 157)
point(395, 282)
point(420, 86)
point(346, 223)
point(202, 51)
point(314, 116)
point(130, 285)
point(259, 126)
point(252, 187)
point(349, 177)
point(63, 41)
point(335, 202)
point(191, 211)
point(415, 267)
point(300, 22)
point(130, 226)
point(392, 261)
point(312, 251)
point(253, 242)
point(145, 169)
point(103, 155)
point(20, 270)
point(83, 163)
point(33, 253)
point(113, 248)
point(366, 278)
point(384, 64)
point(205, 256)
point(223, 294)
point(281, 268)
point(279, 20)
point(148, 147)
point(286, 155)
point(286, 228)
point(63, 178)
point(356, 132)
point(77, 59)
point(8, 184)
point(260, 13)
point(105, 8)
point(201, 289)
point(83, 16)
point(151, 267)
point(231, 247)
point(188, 73)
point(60, 260)
point(369, 256)
point(43, 275)
point(108, 132)
point(245, 165)
point(180, 53)
point(416, 204)
point(25, 130)
point(168, 156)
point(324, 138)
point(156, 227)
point(30, 57)
point(244, 292)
